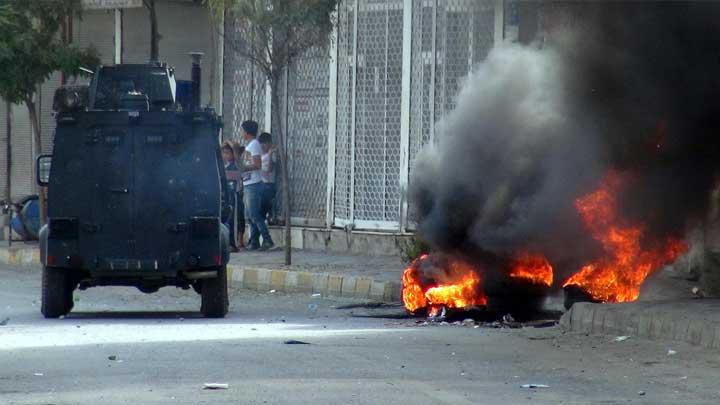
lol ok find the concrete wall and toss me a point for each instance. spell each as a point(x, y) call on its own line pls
point(341, 241)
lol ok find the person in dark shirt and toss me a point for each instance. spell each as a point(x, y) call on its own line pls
point(231, 172)
point(228, 155)
point(239, 150)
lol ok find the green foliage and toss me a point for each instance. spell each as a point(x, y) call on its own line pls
point(31, 47)
point(277, 31)
point(412, 248)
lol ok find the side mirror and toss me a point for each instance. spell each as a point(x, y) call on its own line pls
point(42, 168)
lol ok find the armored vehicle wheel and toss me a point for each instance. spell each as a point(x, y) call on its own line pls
point(57, 293)
point(215, 295)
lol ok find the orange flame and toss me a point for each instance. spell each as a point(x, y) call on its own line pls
point(413, 296)
point(461, 294)
point(464, 289)
point(532, 268)
point(618, 276)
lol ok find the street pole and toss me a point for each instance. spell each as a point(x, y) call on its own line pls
point(8, 149)
point(8, 164)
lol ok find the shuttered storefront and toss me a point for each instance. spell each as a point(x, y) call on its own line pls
point(184, 27)
point(21, 170)
point(96, 28)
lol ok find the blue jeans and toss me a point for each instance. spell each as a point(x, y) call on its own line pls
point(253, 214)
point(268, 199)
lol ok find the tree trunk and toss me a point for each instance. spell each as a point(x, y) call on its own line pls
point(36, 150)
point(8, 149)
point(279, 136)
point(154, 36)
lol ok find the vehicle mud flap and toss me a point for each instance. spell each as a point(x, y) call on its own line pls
point(214, 294)
point(57, 293)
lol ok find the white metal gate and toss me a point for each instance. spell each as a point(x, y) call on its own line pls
point(358, 113)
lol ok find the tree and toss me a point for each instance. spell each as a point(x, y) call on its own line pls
point(31, 50)
point(154, 35)
point(275, 33)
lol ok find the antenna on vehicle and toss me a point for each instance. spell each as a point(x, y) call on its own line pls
point(196, 74)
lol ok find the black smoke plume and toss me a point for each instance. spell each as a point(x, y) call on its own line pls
point(632, 87)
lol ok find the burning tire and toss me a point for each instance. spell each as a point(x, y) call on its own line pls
point(574, 293)
point(57, 293)
point(439, 281)
point(457, 284)
point(520, 298)
point(214, 293)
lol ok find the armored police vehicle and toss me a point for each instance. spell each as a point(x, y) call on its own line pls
point(136, 190)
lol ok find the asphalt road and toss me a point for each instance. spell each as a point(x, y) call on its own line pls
point(120, 346)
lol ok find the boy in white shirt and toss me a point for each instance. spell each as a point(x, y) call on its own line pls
point(253, 187)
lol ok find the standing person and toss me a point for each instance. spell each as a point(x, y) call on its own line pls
point(268, 174)
point(228, 155)
point(252, 188)
point(238, 151)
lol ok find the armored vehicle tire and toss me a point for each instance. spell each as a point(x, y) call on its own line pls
point(214, 295)
point(57, 293)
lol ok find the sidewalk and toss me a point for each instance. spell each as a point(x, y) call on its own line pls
point(694, 321)
point(376, 278)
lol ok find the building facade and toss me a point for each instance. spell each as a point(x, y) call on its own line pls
point(356, 113)
point(120, 35)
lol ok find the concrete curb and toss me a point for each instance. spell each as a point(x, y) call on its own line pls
point(326, 284)
point(20, 256)
point(645, 321)
point(266, 279)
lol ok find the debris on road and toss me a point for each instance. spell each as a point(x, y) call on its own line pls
point(671, 352)
point(534, 386)
point(215, 386)
point(641, 393)
point(4, 321)
point(38, 374)
point(295, 342)
point(369, 305)
point(697, 292)
point(621, 338)
point(272, 291)
point(438, 316)
point(317, 295)
point(542, 323)
point(384, 315)
point(113, 358)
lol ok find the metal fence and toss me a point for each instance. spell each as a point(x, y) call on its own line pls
point(358, 113)
point(245, 88)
